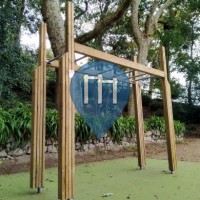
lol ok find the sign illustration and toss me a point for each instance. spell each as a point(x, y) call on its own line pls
point(100, 91)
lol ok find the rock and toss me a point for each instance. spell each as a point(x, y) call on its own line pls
point(125, 139)
point(29, 151)
point(110, 143)
point(125, 143)
point(3, 154)
point(17, 152)
point(85, 147)
point(148, 133)
point(10, 140)
point(52, 149)
point(91, 146)
point(26, 147)
point(148, 138)
point(48, 142)
point(100, 145)
point(101, 140)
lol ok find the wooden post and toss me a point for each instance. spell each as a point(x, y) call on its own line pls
point(38, 117)
point(168, 112)
point(66, 151)
point(139, 122)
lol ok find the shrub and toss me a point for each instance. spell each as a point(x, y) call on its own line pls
point(156, 125)
point(21, 124)
point(146, 100)
point(123, 126)
point(51, 123)
point(179, 128)
point(5, 127)
point(16, 123)
point(82, 130)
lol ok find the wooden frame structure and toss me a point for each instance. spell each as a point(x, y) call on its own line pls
point(66, 135)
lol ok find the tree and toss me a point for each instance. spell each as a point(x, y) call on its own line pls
point(15, 62)
point(180, 33)
point(55, 24)
point(52, 16)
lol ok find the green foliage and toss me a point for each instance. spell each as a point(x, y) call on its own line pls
point(21, 123)
point(186, 113)
point(82, 130)
point(176, 89)
point(123, 126)
point(146, 100)
point(156, 124)
point(16, 123)
point(51, 123)
point(16, 63)
point(5, 127)
point(179, 128)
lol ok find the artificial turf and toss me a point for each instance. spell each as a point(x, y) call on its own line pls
point(119, 178)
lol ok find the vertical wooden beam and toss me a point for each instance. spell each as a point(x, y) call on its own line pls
point(42, 63)
point(139, 122)
point(34, 130)
point(61, 132)
point(66, 170)
point(168, 112)
point(38, 119)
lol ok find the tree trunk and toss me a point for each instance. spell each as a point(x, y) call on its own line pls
point(151, 84)
point(143, 48)
point(190, 93)
point(55, 25)
point(167, 53)
point(56, 32)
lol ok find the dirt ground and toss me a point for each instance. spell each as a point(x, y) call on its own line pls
point(188, 150)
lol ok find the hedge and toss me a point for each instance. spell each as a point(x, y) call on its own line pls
point(16, 123)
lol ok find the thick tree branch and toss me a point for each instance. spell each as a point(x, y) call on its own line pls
point(164, 6)
point(105, 23)
point(149, 21)
point(105, 9)
point(55, 25)
point(82, 11)
point(134, 21)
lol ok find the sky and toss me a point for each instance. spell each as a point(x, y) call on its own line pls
point(32, 41)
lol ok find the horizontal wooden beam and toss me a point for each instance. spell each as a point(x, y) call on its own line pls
point(54, 64)
point(88, 51)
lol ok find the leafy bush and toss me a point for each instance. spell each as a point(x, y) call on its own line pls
point(179, 128)
point(51, 123)
point(146, 100)
point(16, 123)
point(82, 130)
point(123, 126)
point(5, 127)
point(156, 125)
point(21, 124)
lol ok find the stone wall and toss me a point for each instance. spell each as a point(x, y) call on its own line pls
point(51, 146)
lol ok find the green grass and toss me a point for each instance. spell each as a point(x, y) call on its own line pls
point(120, 177)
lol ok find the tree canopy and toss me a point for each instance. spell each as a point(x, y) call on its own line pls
point(122, 27)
